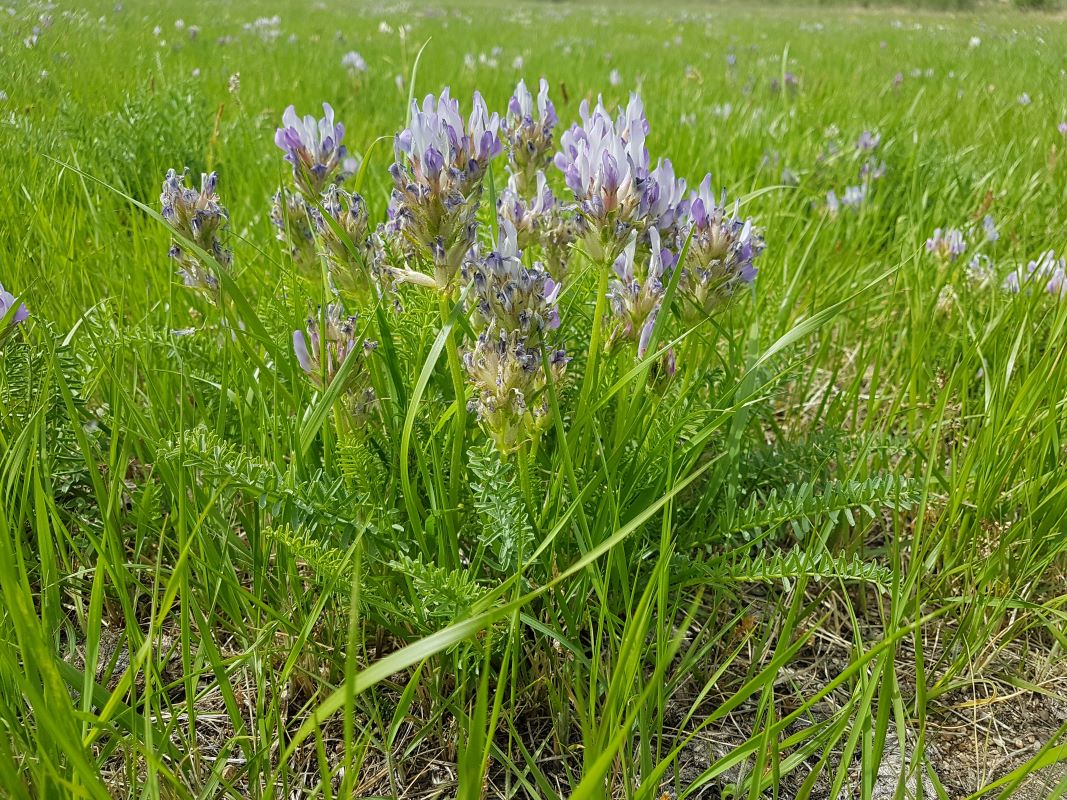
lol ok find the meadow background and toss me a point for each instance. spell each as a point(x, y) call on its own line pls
point(827, 559)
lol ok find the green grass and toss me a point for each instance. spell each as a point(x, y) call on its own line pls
point(825, 559)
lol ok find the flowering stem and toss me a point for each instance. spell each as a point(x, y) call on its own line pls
point(460, 425)
point(597, 333)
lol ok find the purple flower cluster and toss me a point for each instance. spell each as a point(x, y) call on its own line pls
point(721, 253)
point(197, 217)
point(607, 167)
point(1046, 271)
point(438, 175)
point(636, 292)
point(947, 245)
point(292, 217)
point(509, 379)
point(516, 307)
point(528, 128)
point(314, 149)
point(325, 347)
point(507, 293)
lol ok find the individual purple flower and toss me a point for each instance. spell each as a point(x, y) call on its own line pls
point(1046, 271)
point(12, 312)
point(314, 149)
point(437, 185)
point(833, 205)
point(868, 141)
point(854, 196)
point(637, 290)
point(947, 245)
point(1062, 128)
point(980, 270)
point(872, 169)
point(197, 217)
point(989, 227)
point(789, 80)
point(721, 256)
point(323, 349)
point(354, 62)
point(528, 128)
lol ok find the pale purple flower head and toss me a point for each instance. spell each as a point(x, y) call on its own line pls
point(722, 252)
point(509, 295)
point(637, 290)
point(325, 347)
point(833, 205)
point(947, 245)
point(197, 217)
point(854, 196)
point(1062, 128)
point(1046, 271)
point(868, 141)
point(606, 165)
point(438, 146)
point(354, 62)
point(528, 128)
point(989, 227)
point(313, 147)
point(437, 183)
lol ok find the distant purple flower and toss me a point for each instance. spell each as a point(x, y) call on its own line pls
point(980, 270)
point(1062, 128)
point(615, 78)
point(868, 141)
point(1024, 99)
point(989, 226)
point(313, 147)
point(854, 196)
point(833, 205)
point(872, 169)
point(527, 130)
point(947, 245)
point(731, 60)
point(789, 80)
point(1046, 269)
point(353, 62)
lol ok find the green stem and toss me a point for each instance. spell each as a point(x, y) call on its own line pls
point(460, 422)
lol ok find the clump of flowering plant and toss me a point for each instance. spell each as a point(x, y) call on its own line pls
point(947, 245)
point(197, 217)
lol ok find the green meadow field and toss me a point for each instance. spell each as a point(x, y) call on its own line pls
point(457, 448)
